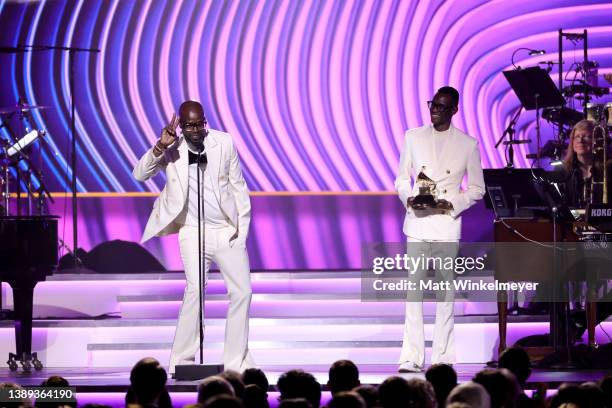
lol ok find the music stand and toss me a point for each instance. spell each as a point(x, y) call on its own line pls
point(511, 193)
point(535, 90)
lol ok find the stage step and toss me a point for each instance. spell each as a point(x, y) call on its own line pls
point(296, 318)
point(278, 306)
point(158, 295)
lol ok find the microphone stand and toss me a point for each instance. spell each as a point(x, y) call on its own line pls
point(199, 371)
point(201, 247)
point(510, 132)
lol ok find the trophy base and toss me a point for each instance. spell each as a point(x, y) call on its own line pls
point(422, 202)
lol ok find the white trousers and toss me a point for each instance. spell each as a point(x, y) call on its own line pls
point(233, 261)
point(413, 346)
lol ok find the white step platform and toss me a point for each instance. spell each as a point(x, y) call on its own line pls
point(297, 318)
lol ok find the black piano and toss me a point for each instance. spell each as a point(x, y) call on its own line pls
point(28, 254)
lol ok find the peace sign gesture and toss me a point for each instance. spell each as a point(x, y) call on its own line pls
point(168, 134)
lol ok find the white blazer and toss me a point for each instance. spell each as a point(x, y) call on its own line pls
point(228, 184)
point(446, 165)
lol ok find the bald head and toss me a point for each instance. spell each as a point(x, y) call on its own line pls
point(191, 112)
point(193, 124)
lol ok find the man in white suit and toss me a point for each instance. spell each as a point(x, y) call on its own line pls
point(444, 154)
point(225, 216)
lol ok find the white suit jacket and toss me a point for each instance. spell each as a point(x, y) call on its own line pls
point(459, 155)
point(228, 184)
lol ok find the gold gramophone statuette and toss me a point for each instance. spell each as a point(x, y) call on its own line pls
point(427, 191)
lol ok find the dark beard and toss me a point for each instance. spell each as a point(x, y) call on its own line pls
point(197, 146)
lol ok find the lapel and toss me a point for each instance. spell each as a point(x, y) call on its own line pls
point(214, 154)
point(182, 166)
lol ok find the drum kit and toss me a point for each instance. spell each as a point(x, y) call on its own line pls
point(585, 92)
point(567, 117)
point(596, 110)
point(17, 170)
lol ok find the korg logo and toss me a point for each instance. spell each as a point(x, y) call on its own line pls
point(601, 212)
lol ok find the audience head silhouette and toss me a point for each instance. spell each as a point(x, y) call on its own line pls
point(147, 382)
point(343, 376)
point(300, 384)
point(213, 386)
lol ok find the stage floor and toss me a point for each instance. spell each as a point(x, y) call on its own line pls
point(117, 379)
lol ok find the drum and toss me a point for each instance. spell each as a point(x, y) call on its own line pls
point(596, 111)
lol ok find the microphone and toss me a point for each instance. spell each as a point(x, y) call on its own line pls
point(24, 142)
point(537, 52)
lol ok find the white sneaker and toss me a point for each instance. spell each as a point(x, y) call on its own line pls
point(410, 367)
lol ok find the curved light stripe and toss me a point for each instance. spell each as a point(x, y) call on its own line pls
point(316, 95)
point(271, 62)
point(30, 94)
point(252, 117)
point(386, 160)
point(392, 74)
point(296, 107)
point(137, 103)
point(101, 85)
point(82, 150)
point(165, 80)
point(245, 81)
point(322, 126)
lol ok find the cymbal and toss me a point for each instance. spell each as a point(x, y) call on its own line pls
point(22, 108)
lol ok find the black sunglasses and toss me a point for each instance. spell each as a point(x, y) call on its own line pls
point(194, 125)
point(438, 106)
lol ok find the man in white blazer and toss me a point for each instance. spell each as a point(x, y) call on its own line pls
point(225, 216)
point(445, 155)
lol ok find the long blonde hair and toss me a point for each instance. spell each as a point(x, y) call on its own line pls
point(570, 155)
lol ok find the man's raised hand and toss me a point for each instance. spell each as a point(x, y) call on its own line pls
point(168, 134)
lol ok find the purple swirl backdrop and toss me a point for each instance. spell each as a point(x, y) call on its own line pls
point(316, 94)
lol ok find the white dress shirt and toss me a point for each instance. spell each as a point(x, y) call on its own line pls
point(211, 210)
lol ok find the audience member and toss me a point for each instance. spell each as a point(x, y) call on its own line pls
point(147, 382)
point(501, 384)
point(223, 401)
point(593, 395)
point(343, 376)
point(606, 387)
point(299, 384)
point(55, 381)
point(295, 403)
point(257, 377)
point(396, 392)
point(235, 379)
point(255, 397)
point(369, 394)
point(517, 361)
point(470, 393)
point(393, 392)
point(443, 378)
point(456, 405)
point(23, 403)
point(212, 387)
point(346, 399)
